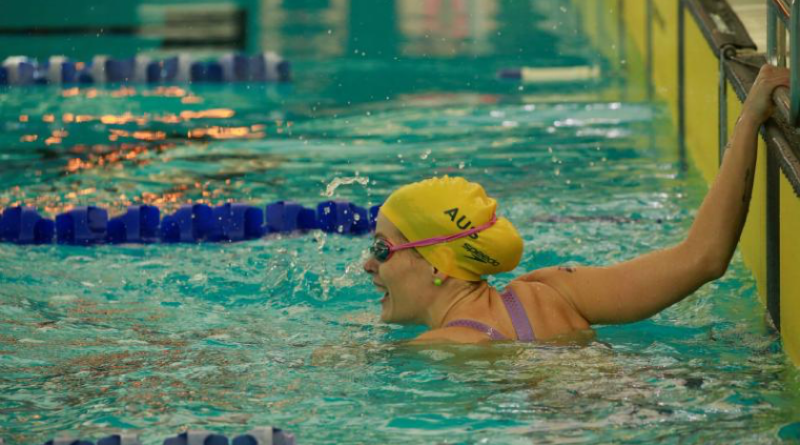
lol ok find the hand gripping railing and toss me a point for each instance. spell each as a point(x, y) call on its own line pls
point(781, 15)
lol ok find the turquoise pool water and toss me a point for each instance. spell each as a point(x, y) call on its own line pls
point(285, 330)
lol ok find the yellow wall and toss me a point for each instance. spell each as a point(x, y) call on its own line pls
point(635, 16)
point(610, 46)
point(665, 53)
point(701, 100)
point(753, 244)
point(790, 264)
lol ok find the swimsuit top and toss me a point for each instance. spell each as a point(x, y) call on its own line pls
point(519, 319)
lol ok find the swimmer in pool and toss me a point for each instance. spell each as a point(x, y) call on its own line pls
point(437, 238)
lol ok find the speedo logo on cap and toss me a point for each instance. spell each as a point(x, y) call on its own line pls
point(479, 256)
point(461, 221)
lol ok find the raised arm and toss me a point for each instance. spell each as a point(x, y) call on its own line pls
point(637, 289)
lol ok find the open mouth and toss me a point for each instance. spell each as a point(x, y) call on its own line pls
point(384, 290)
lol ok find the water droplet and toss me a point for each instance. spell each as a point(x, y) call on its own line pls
point(333, 185)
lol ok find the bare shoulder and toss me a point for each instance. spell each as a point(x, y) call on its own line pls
point(551, 313)
point(549, 275)
point(453, 334)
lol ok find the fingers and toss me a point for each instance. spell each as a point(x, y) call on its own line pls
point(773, 74)
point(771, 77)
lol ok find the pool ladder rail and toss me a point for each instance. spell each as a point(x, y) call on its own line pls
point(784, 17)
point(257, 436)
point(192, 223)
point(183, 68)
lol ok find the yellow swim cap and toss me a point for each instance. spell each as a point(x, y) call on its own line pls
point(447, 206)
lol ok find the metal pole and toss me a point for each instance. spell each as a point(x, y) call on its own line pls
point(681, 89)
point(772, 19)
point(773, 245)
point(649, 49)
point(781, 43)
point(723, 105)
point(794, 89)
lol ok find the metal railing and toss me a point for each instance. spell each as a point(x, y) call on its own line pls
point(780, 16)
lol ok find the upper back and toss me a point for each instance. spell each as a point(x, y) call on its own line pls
point(549, 313)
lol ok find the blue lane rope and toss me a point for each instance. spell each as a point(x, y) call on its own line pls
point(257, 436)
point(183, 68)
point(90, 225)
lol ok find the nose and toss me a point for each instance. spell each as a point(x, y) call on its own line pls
point(371, 265)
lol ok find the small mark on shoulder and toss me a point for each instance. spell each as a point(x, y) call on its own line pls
point(566, 269)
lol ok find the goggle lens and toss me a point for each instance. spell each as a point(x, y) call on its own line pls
point(380, 250)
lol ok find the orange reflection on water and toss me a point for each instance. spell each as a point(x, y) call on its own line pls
point(70, 92)
point(29, 138)
point(49, 118)
point(166, 201)
point(23, 118)
point(52, 140)
point(56, 208)
point(214, 113)
point(142, 135)
point(112, 155)
point(192, 100)
point(167, 92)
point(110, 119)
point(168, 119)
point(68, 117)
point(77, 164)
point(84, 192)
point(149, 135)
point(225, 133)
point(124, 92)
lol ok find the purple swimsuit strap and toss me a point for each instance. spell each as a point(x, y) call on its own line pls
point(519, 319)
point(488, 330)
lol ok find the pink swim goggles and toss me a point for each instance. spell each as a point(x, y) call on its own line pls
point(382, 249)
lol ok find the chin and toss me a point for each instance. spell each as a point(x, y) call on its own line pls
point(386, 317)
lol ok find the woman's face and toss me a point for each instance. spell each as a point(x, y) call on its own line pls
point(404, 279)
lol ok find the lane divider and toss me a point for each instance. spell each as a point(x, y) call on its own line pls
point(194, 223)
point(183, 68)
point(257, 436)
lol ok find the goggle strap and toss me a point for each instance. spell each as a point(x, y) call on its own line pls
point(445, 239)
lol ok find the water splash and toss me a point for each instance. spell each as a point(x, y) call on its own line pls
point(330, 189)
